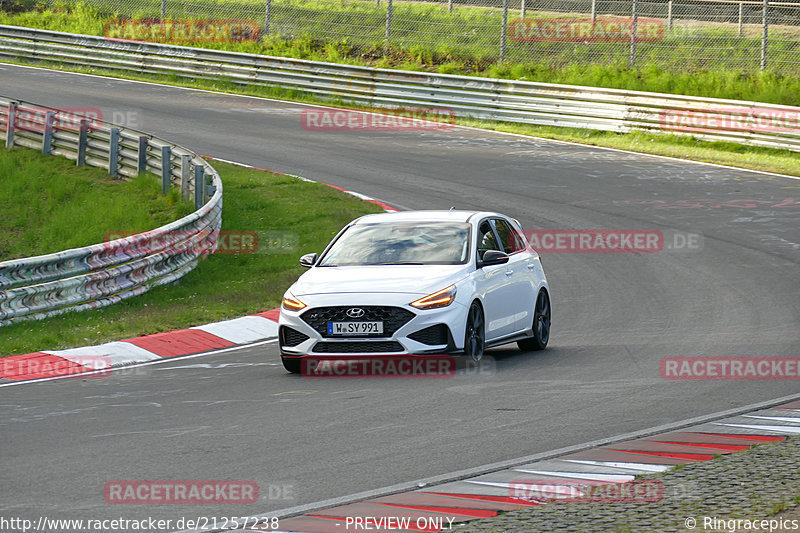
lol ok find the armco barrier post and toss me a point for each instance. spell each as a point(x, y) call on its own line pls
point(113, 153)
point(11, 124)
point(186, 175)
point(83, 135)
point(47, 139)
point(199, 186)
point(166, 168)
point(141, 155)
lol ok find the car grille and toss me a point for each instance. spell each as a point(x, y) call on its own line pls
point(393, 318)
point(358, 347)
point(432, 336)
point(291, 337)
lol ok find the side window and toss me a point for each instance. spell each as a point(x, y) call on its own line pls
point(509, 238)
point(486, 239)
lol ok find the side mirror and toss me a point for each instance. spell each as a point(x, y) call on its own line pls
point(493, 257)
point(308, 260)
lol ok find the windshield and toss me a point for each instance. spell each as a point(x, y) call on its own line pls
point(400, 243)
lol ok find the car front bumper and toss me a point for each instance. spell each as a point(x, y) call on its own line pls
point(399, 342)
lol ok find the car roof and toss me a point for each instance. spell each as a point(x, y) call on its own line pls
point(423, 216)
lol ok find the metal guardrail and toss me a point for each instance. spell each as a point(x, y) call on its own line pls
point(106, 273)
point(768, 125)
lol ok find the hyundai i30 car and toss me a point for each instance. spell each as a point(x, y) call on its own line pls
point(417, 283)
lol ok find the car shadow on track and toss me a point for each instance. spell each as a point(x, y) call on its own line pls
point(507, 359)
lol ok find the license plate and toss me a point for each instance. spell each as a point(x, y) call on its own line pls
point(355, 328)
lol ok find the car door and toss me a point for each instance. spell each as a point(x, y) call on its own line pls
point(495, 285)
point(522, 294)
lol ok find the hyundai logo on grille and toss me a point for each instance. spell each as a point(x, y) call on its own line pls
point(355, 312)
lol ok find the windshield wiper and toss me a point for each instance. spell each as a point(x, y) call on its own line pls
point(399, 263)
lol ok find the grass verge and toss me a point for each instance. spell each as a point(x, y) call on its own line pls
point(677, 146)
point(48, 204)
point(223, 285)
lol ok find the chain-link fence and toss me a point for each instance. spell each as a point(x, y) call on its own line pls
point(747, 35)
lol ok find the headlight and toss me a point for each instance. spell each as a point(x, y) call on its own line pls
point(291, 303)
point(441, 298)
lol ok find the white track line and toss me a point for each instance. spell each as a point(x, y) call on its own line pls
point(591, 476)
point(639, 467)
point(786, 430)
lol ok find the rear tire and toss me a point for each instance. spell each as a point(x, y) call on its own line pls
point(541, 325)
point(291, 364)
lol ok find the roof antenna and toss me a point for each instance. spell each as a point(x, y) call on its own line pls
point(453, 208)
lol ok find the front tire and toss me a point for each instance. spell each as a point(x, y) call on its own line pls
point(541, 325)
point(291, 364)
point(475, 334)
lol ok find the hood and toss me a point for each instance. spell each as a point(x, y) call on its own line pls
point(411, 279)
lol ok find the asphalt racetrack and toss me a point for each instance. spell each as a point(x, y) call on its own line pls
point(238, 415)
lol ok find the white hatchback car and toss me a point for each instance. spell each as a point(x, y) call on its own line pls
point(420, 283)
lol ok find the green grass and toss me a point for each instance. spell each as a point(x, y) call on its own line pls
point(678, 146)
point(427, 38)
point(305, 215)
point(48, 204)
